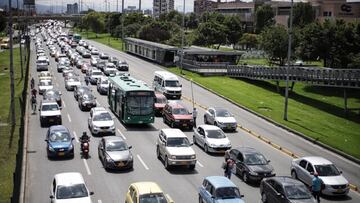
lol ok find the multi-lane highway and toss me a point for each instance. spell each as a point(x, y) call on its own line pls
point(181, 184)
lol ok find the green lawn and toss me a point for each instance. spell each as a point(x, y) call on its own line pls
point(103, 38)
point(8, 141)
point(316, 112)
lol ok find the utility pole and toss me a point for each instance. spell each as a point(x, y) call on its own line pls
point(12, 86)
point(21, 29)
point(288, 63)
point(139, 6)
point(122, 24)
point(117, 6)
point(182, 40)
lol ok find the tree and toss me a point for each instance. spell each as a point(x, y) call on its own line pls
point(2, 22)
point(210, 33)
point(249, 40)
point(113, 20)
point(274, 41)
point(192, 21)
point(156, 31)
point(303, 14)
point(233, 29)
point(94, 21)
point(264, 17)
point(132, 30)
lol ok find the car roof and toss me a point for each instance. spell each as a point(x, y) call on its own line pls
point(166, 75)
point(316, 160)
point(285, 180)
point(176, 105)
point(113, 138)
point(246, 150)
point(58, 128)
point(147, 187)
point(69, 178)
point(209, 127)
point(100, 112)
point(98, 108)
point(218, 108)
point(173, 132)
point(159, 95)
point(48, 102)
point(220, 181)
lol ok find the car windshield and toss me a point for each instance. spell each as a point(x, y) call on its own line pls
point(52, 93)
point(177, 142)
point(215, 134)
point(227, 193)
point(161, 100)
point(71, 191)
point(116, 146)
point(59, 136)
point(152, 198)
point(96, 73)
point(84, 89)
point(172, 83)
point(88, 97)
point(110, 66)
point(180, 111)
point(140, 105)
point(105, 82)
point(222, 113)
point(41, 61)
point(102, 117)
point(327, 170)
point(45, 83)
point(73, 80)
point(255, 159)
point(297, 192)
point(50, 107)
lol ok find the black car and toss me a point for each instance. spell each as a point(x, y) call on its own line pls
point(87, 101)
point(123, 66)
point(283, 189)
point(80, 90)
point(251, 165)
point(101, 65)
point(54, 95)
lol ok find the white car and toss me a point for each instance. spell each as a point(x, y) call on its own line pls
point(69, 187)
point(71, 83)
point(42, 64)
point(175, 149)
point(50, 113)
point(95, 75)
point(44, 75)
point(110, 69)
point(45, 85)
point(211, 139)
point(335, 183)
point(94, 52)
point(220, 117)
point(103, 85)
point(101, 122)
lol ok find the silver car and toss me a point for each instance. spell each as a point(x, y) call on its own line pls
point(211, 139)
point(304, 168)
point(114, 153)
point(101, 122)
point(220, 117)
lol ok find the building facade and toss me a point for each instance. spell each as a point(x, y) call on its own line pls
point(72, 8)
point(201, 6)
point(162, 6)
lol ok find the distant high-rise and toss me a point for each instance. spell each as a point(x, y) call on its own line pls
point(72, 8)
point(162, 6)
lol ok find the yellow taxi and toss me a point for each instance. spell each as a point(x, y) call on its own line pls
point(142, 192)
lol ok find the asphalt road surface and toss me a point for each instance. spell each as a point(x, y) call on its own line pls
point(181, 184)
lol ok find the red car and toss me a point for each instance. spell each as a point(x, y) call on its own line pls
point(176, 115)
point(160, 102)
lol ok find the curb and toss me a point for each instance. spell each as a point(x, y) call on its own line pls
point(284, 150)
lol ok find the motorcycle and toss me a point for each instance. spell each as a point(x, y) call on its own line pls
point(85, 148)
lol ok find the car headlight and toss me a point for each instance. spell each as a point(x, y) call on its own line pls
point(253, 173)
point(112, 127)
point(130, 157)
point(108, 159)
point(193, 156)
point(51, 149)
point(71, 147)
point(212, 145)
point(96, 127)
point(173, 157)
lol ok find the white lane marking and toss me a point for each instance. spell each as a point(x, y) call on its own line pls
point(97, 103)
point(198, 162)
point(69, 118)
point(76, 137)
point(122, 135)
point(99, 201)
point(142, 162)
point(57, 84)
point(87, 167)
point(63, 102)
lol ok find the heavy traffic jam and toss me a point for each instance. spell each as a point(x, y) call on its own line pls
point(81, 66)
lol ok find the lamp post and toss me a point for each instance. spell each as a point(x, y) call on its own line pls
point(122, 24)
point(182, 40)
point(288, 63)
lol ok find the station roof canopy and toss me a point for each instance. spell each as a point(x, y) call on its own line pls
point(195, 50)
point(149, 43)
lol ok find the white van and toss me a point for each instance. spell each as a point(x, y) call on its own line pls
point(168, 84)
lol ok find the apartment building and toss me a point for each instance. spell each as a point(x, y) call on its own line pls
point(162, 6)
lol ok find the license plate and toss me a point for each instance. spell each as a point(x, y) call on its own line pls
point(120, 164)
point(61, 153)
point(51, 120)
point(339, 190)
point(184, 124)
point(229, 126)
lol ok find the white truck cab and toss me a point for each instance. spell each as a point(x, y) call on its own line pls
point(168, 84)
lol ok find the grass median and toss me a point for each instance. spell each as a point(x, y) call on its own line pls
point(314, 111)
point(317, 112)
point(8, 139)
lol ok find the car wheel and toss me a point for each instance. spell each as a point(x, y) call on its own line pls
point(192, 167)
point(263, 197)
point(205, 120)
point(172, 125)
point(293, 174)
point(206, 148)
point(41, 124)
point(164, 120)
point(194, 139)
point(166, 163)
point(158, 153)
point(200, 199)
point(245, 177)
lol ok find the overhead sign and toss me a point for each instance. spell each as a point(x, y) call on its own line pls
point(29, 2)
point(352, 1)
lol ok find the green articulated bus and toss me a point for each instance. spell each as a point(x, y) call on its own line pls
point(131, 100)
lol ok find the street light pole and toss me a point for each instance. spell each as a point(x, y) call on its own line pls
point(122, 24)
point(288, 63)
point(12, 85)
point(182, 40)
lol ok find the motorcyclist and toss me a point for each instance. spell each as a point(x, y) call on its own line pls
point(32, 83)
point(34, 92)
point(84, 138)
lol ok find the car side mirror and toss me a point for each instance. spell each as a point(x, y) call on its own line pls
point(39, 109)
point(191, 144)
point(91, 193)
point(51, 196)
point(46, 140)
point(180, 85)
point(60, 107)
point(130, 147)
point(340, 172)
point(60, 93)
point(73, 138)
point(242, 196)
point(268, 161)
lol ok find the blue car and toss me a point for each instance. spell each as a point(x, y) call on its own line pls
point(219, 189)
point(59, 142)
